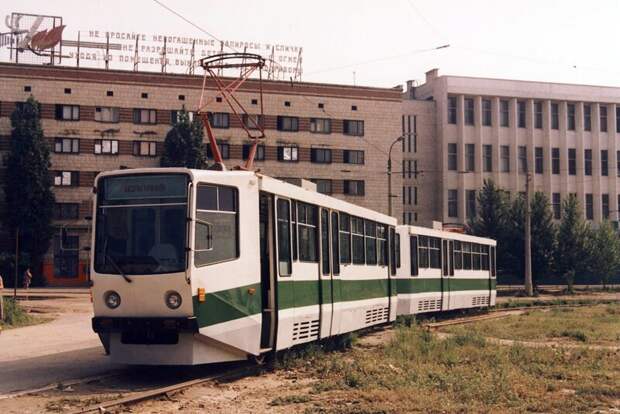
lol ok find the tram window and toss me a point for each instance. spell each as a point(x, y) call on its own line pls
point(382, 244)
point(423, 251)
point(370, 238)
point(357, 236)
point(485, 257)
point(414, 252)
point(216, 237)
point(325, 241)
point(434, 252)
point(284, 238)
point(345, 238)
point(466, 256)
point(475, 255)
point(458, 255)
point(335, 249)
point(393, 249)
point(307, 227)
point(492, 257)
point(397, 248)
point(294, 224)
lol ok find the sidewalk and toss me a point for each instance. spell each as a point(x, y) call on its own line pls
point(46, 291)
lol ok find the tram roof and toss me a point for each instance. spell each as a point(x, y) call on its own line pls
point(426, 231)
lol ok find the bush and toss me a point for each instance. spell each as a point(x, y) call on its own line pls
point(14, 314)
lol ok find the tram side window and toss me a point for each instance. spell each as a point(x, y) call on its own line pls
point(357, 236)
point(217, 229)
point(284, 238)
point(345, 238)
point(370, 236)
point(413, 252)
point(485, 257)
point(475, 253)
point(382, 244)
point(335, 249)
point(434, 250)
point(397, 248)
point(458, 255)
point(325, 241)
point(423, 251)
point(307, 227)
point(294, 227)
point(466, 256)
point(492, 257)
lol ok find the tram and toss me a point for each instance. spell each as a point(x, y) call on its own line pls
point(199, 266)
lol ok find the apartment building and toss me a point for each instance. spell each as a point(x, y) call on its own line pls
point(564, 137)
point(96, 120)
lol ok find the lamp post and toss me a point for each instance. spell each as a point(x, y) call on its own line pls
point(389, 173)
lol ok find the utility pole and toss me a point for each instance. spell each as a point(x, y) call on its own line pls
point(389, 173)
point(529, 291)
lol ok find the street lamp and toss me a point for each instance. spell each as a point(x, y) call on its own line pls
point(389, 173)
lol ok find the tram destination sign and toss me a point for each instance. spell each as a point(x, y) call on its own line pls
point(143, 187)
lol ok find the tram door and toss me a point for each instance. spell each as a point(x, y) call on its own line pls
point(326, 282)
point(267, 271)
point(445, 276)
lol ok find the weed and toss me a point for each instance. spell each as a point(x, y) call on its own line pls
point(574, 334)
point(14, 315)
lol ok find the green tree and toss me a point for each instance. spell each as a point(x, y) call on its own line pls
point(572, 253)
point(605, 253)
point(29, 198)
point(543, 237)
point(514, 237)
point(183, 146)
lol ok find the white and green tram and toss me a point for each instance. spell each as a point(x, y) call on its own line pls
point(198, 266)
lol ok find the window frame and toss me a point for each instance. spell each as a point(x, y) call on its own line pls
point(348, 129)
point(113, 143)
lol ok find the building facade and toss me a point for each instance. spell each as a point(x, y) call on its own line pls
point(564, 137)
point(97, 120)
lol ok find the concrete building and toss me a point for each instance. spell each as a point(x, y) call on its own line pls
point(97, 120)
point(565, 136)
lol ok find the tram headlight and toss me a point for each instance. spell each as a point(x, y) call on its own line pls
point(112, 299)
point(173, 300)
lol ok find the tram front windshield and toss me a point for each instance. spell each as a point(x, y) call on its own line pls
point(141, 224)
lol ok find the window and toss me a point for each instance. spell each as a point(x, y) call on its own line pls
point(307, 230)
point(618, 166)
point(253, 121)
point(107, 114)
point(357, 236)
point(605, 206)
point(434, 252)
point(458, 255)
point(106, 146)
point(285, 263)
point(288, 123)
point(522, 114)
point(217, 229)
point(467, 255)
point(353, 127)
point(452, 203)
point(452, 157)
point(504, 113)
point(587, 117)
point(144, 116)
point(224, 148)
point(323, 186)
point(144, 95)
point(522, 159)
point(469, 111)
point(353, 157)
point(345, 238)
point(259, 155)
point(570, 117)
point(288, 153)
point(109, 93)
point(470, 157)
point(587, 161)
point(538, 162)
point(617, 119)
point(321, 155)
point(555, 160)
point(589, 207)
point(604, 163)
point(555, 116)
point(556, 205)
point(603, 118)
point(370, 241)
point(572, 161)
point(66, 256)
point(321, 125)
point(335, 244)
point(470, 203)
point(452, 109)
point(413, 255)
point(505, 158)
point(66, 211)
point(68, 112)
point(486, 112)
point(174, 116)
point(487, 158)
point(538, 115)
point(325, 262)
point(219, 119)
point(354, 187)
point(423, 261)
point(145, 148)
point(67, 145)
point(66, 178)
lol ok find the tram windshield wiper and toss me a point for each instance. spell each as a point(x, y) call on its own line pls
point(118, 268)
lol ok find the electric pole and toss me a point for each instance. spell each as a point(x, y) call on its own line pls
point(529, 291)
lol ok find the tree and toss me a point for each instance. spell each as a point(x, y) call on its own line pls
point(29, 198)
point(514, 237)
point(183, 146)
point(605, 253)
point(573, 237)
point(543, 236)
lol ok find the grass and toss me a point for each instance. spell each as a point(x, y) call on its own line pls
point(598, 325)
point(15, 316)
point(416, 372)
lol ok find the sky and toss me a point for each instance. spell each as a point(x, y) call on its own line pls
point(385, 43)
